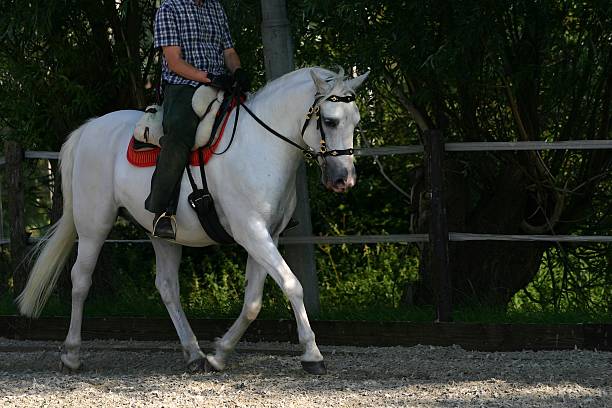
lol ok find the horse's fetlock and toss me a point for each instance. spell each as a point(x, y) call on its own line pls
point(223, 346)
point(71, 347)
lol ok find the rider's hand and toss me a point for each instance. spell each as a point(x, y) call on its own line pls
point(204, 77)
point(242, 80)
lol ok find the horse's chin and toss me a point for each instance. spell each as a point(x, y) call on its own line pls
point(343, 188)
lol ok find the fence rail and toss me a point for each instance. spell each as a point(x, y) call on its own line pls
point(415, 149)
point(399, 239)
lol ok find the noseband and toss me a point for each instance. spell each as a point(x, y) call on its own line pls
point(313, 112)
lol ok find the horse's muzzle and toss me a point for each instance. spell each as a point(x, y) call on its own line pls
point(340, 185)
point(339, 176)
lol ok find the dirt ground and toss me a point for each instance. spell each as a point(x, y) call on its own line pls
point(152, 374)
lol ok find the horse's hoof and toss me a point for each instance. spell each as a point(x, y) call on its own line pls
point(66, 369)
point(314, 367)
point(67, 365)
point(201, 365)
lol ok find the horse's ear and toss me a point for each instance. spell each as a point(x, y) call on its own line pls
point(321, 85)
point(356, 82)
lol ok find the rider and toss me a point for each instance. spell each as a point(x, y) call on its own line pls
point(196, 43)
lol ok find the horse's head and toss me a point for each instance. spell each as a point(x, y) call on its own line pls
point(337, 115)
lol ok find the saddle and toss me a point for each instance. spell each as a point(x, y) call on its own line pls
point(206, 102)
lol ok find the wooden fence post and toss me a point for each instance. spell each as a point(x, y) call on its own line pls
point(18, 238)
point(301, 258)
point(278, 55)
point(438, 226)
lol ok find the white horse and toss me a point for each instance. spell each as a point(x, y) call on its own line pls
point(253, 185)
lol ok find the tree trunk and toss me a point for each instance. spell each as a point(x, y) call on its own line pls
point(18, 238)
point(483, 272)
point(278, 54)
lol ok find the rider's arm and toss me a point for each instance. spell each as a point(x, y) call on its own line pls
point(231, 58)
point(179, 66)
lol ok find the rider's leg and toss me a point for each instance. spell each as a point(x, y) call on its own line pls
point(180, 124)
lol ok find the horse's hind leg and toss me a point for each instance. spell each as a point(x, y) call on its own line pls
point(88, 251)
point(167, 259)
point(256, 277)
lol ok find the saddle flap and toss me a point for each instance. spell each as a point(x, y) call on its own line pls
point(205, 102)
point(149, 128)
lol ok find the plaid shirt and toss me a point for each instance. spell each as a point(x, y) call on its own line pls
point(202, 32)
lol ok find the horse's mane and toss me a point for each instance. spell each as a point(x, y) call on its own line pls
point(301, 77)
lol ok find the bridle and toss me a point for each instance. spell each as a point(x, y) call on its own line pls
point(316, 112)
point(313, 112)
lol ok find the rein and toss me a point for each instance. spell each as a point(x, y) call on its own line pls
point(312, 112)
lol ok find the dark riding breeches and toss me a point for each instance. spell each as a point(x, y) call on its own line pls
point(180, 124)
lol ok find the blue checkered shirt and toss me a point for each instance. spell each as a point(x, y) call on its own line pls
point(201, 31)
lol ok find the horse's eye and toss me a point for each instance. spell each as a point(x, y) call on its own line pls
point(330, 122)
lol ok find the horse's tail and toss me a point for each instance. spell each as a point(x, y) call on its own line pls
point(55, 246)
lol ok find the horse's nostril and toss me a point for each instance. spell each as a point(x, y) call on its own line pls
point(339, 182)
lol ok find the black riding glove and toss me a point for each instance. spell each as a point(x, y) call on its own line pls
point(242, 79)
point(222, 81)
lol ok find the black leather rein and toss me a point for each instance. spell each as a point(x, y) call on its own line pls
point(312, 112)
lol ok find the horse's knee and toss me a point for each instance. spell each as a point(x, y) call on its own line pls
point(251, 310)
point(293, 289)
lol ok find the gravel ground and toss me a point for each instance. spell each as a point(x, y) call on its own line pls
point(151, 374)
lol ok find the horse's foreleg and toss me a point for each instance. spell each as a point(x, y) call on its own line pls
point(267, 255)
point(88, 251)
point(167, 260)
point(256, 277)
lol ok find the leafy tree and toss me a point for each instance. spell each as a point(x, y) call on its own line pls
point(494, 71)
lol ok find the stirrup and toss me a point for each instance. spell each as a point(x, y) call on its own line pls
point(164, 232)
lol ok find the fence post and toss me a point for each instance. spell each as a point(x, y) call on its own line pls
point(301, 258)
point(18, 238)
point(438, 226)
point(278, 55)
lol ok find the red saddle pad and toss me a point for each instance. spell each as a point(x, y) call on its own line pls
point(148, 157)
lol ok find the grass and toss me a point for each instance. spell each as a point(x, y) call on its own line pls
point(153, 307)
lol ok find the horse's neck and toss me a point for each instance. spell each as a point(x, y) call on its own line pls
point(284, 109)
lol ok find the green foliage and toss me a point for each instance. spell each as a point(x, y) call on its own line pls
point(215, 283)
point(494, 71)
point(568, 281)
point(63, 62)
point(361, 277)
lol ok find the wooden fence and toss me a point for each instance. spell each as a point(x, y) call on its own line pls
point(470, 336)
point(438, 235)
